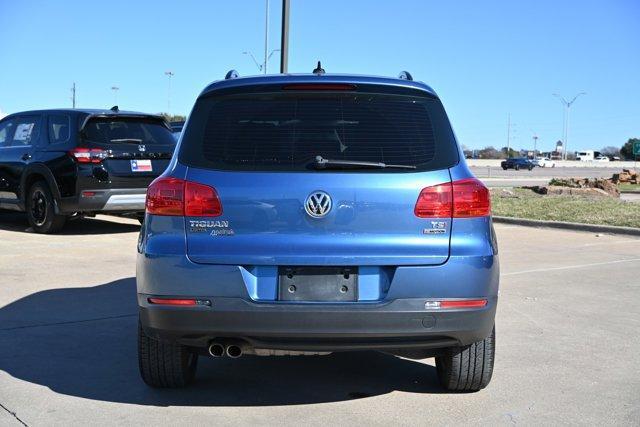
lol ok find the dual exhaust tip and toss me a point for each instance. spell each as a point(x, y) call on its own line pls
point(217, 349)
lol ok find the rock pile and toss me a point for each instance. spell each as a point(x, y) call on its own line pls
point(626, 177)
point(583, 187)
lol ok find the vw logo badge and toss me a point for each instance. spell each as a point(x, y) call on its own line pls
point(142, 148)
point(318, 204)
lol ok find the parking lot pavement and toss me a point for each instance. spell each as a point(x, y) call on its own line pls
point(567, 331)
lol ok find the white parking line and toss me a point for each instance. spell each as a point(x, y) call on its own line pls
point(570, 267)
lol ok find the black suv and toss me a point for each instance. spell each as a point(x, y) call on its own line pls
point(517, 163)
point(55, 164)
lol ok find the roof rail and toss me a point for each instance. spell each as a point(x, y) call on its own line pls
point(232, 74)
point(405, 75)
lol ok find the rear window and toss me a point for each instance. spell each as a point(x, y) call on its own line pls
point(286, 131)
point(127, 131)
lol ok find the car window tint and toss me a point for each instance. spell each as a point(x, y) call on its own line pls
point(25, 131)
point(59, 128)
point(127, 131)
point(286, 131)
point(7, 129)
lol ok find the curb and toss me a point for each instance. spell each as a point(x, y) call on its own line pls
point(609, 229)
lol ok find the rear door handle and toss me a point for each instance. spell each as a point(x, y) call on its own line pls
point(26, 156)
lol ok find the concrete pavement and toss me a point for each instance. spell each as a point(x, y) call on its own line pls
point(567, 331)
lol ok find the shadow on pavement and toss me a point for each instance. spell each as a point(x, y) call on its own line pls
point(16, 221)
point(82, 342)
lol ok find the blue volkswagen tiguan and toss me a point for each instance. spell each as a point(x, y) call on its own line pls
point(309, 214)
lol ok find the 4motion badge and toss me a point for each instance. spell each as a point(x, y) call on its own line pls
point(437, 227)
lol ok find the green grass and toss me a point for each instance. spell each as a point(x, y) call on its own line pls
point(629, 187)
point(586, 210)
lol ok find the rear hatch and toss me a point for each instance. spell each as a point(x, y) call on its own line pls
point(135, 149)
point(310, 176)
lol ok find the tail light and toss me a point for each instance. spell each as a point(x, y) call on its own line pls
point(88, 155)
point(177, 197)
point(434, 202)
point(470, 199)
point(466, 198)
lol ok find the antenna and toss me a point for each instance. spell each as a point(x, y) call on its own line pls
point(319, 70)
point(231, 74)
point(115, 109)
point(405, 75)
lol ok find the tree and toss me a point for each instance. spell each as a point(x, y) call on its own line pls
point(511, 152)
point(627, 149)
point(489, 153)
point(610, 151)
point(173, 118)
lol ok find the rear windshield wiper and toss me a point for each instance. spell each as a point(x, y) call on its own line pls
point(322, 163)
point(122, 140)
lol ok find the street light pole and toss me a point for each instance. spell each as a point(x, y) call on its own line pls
point(509, 137)
point(73, 95)
point(266, 37)
point(284, 38)
point(169, 74)
point(567, 107)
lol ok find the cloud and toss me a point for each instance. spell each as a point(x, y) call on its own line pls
point(2, 114)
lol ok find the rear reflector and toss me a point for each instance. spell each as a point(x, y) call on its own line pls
point(319, 86)
point(466, 198)
point(177, 197)
point(448, 304)
point(172, 301)
point(179, 301)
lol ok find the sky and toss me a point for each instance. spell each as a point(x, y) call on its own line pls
point(485, 59)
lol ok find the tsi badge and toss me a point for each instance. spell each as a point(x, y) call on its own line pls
point(437, 227)
point(214, 228)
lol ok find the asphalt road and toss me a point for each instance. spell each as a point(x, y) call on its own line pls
point(567, 349)
point(496, 177)
point(537, 172)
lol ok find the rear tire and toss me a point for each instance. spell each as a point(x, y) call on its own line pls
point(163, 364)
point(41, 210)
point(467, 368)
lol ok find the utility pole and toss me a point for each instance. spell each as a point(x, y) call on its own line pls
point(509, 136)
point(169, 74)
point(73, 95)
point(284, 38)
point(115, 90)
point(266, 36)
point(565, 124)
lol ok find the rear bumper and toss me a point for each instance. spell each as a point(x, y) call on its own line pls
point(105, 200)
point(397, 324)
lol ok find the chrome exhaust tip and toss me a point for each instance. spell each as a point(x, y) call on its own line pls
point(233, 351)
point(216, 349)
